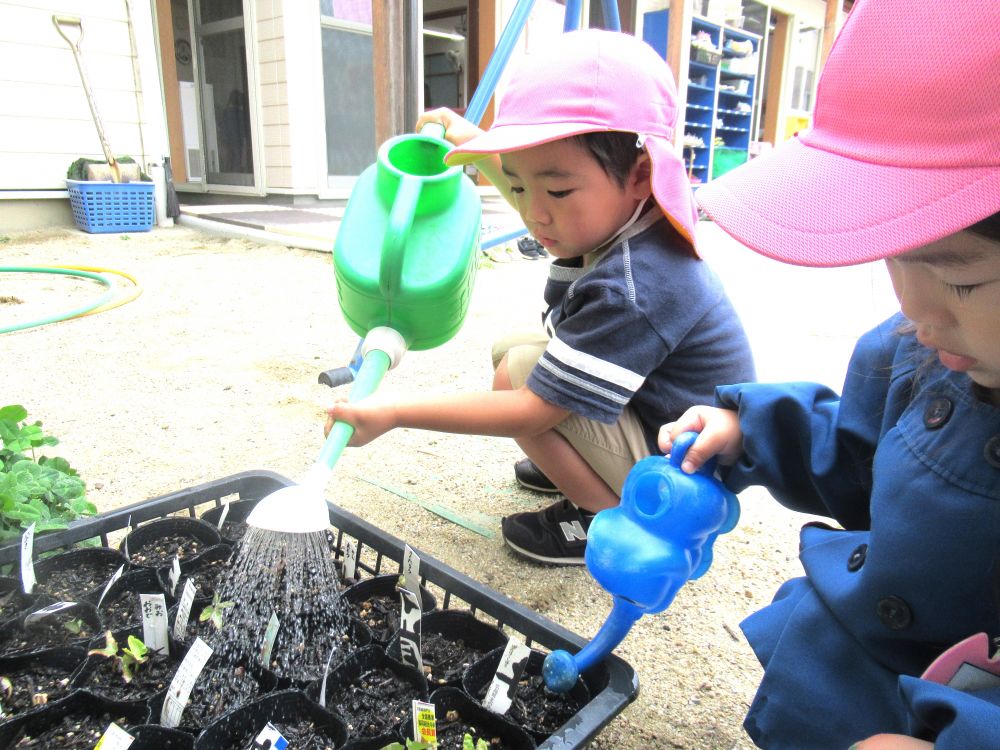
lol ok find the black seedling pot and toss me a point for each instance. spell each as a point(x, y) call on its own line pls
point(383, 618)
point(538, 710)
point(79, 705)
point(203, 569)
point(369, 703)
point(121, 607)
point(154, 543)
point(451, 641)
point(471, 717)
point(235, 525)
point(55, 634)
point(76, 574)
point(155, 737)
point(13, 600)
point(43, 672)
point(358, 637)
point(238, 728)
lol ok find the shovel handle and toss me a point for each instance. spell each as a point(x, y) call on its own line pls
point(373, 369)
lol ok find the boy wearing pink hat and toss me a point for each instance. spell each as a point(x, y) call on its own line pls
point(637, 327)
point(891, 630)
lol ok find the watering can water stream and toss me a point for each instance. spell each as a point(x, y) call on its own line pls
point(404, 261)
point(643, 551)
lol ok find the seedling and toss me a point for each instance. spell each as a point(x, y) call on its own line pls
point(468, 744)
point(132, 656)
point(75, 626)
point(214, 612)
point(110, 649)
point(410, 745)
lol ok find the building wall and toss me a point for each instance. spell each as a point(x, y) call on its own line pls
point(44, 116)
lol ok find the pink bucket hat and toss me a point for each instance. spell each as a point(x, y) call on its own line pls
point(587, 81)
point(905, 146)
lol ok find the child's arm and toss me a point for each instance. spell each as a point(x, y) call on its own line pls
point(458, 130)
point(500, 413)
point(719, 435)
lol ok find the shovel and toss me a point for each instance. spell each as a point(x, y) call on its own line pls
point(113, 171)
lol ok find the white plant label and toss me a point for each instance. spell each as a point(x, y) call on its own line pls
point(44, 612)
point(409, 630)
point(500, 693)
point(115, 577)
point(410, 570)
point(184, 609)
point(350, 559)
point(27, 566)
point(128, 525)
point(176, 699)
point(326, 674)
point(174, 575)
point(114, 738)
point(155, 625)
point(271, 738)
point(424, 723)
point(222, 516)
point(270, 633)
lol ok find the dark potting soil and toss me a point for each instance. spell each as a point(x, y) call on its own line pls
point(149, 679)
point(196, 628)
point(206, 579)
point(373, 704)
point(122, 613)
point(445, 660)
point(306, 659)
point(69, 584)
point(74, 732)
point(380, 613)
point(234, 530)
point(452, 728)
point(162, 550)
point(33, 686)
point(47, 633)
point(13, 602)
point(220, 688)
point(302, 735)
point(536, 707)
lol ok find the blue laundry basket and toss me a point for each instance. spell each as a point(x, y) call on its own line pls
point(103, 207)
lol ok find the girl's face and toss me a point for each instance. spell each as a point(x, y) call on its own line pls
point(567, 200)
point(950, 289)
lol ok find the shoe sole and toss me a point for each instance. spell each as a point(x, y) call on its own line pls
point(535, 488)
point(562, 561)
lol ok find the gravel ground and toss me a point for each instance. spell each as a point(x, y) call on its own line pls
point(212, 371)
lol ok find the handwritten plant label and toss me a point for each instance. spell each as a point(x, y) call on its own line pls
point(350, 559)
point(500, 693)
point(184, 609)
point(270, 634)
point(174, 575)
point(409, 630)
point(222, 516)
point(155, 628)
point(176, 699)
point(40, 614)
point(117, 574)
point(409, 573)
point(270, 738)
point(114, 738)
point(27, 566)
point(424, 723)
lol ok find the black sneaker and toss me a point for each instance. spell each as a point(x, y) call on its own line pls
point(556, 535)
point(529, 247)
point(531, 477)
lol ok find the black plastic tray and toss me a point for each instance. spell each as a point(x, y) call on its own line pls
point(613, 683)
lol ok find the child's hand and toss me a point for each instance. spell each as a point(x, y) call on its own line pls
point(892, 742)
point(369, 419)
point(457, 130)
point(719, 435)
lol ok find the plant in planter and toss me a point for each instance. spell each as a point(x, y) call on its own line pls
point(155, 543)
point(34, 488)
point(79, 573)
point(74, 625)
point(215, 612)
point(132, 672)
point(28, 682)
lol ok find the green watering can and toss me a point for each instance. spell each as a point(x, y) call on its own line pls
point(404, 261)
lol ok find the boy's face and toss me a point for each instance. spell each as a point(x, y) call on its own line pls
point(567, 200)
point(950, 289)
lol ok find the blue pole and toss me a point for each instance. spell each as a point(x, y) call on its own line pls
point(571, 21)
point(498, 61)
point(611, 20)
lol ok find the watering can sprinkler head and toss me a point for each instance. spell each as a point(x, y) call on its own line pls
point(659, 537)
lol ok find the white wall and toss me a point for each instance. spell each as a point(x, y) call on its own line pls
point(45, 120)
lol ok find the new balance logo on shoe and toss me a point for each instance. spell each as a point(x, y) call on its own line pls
point(573, 531)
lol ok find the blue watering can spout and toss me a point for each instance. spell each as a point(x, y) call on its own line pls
point(659, 537)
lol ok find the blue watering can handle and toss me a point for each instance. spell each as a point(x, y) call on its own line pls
point(680, 448)
point(404, 208)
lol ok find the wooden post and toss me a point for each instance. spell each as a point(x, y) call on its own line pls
point(678, 58)
point(831, 25)
point(392, 53)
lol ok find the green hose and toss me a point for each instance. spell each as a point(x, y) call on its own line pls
point(62, 316)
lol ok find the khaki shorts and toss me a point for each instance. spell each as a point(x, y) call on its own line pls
point(610, 449)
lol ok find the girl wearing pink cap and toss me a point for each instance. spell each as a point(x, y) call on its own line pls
point(886, 641)
point(637, 327)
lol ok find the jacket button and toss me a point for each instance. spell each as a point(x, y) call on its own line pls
point(937, 412)
point(992, 451)
point(857, 558)
point(894, 613)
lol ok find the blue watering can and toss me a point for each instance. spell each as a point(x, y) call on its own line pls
point(642, 552)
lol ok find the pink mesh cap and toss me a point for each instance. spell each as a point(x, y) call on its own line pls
point(594, 80)
point(904, 149)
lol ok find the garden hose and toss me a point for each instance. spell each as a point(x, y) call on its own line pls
point(104, 302)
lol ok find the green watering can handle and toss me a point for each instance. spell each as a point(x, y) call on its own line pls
point(404, 208)
point(372, 370)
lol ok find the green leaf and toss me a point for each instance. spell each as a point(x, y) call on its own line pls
point(13, 413)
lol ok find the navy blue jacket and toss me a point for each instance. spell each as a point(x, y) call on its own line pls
point(907, 462)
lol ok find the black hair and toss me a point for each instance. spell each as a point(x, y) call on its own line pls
point(988, 227)
point(614, 150)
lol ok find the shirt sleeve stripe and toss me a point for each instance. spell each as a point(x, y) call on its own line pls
point(584, 384)
point(591, 365)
